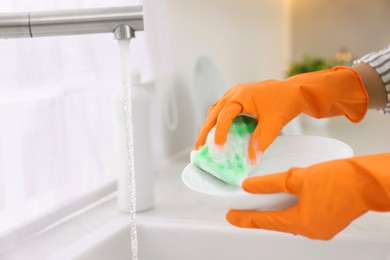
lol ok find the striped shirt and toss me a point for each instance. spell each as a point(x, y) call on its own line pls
point(380, 61)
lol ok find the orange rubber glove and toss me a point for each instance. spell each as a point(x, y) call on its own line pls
point(330, 196)
point(333, 92)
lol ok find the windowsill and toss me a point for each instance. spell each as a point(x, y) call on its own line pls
point(64, 232)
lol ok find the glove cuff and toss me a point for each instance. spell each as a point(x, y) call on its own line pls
point(376, 189)
point(333, 92)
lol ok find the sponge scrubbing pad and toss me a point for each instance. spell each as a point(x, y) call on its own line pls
point(229, 162)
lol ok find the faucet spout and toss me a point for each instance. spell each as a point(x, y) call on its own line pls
point(73, 22)
point(124, 31)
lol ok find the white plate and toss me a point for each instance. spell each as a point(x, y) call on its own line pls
point(284, 153)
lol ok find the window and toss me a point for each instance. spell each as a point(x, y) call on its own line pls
point(57, 124)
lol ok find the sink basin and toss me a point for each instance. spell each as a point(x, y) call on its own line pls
point(183, 227)
point(193, 241)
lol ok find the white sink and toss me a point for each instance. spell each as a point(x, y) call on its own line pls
point(184, 227)
point(194, 241)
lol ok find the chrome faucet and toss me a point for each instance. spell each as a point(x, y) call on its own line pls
point(121, 21)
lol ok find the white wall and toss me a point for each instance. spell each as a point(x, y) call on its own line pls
point(322, 27)
point(247, 40)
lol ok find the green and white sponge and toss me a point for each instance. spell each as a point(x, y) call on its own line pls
point(229, 162)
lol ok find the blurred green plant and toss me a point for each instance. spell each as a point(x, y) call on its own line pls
point(308, 64)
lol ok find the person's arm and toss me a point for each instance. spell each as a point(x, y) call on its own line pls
point(374, 86)
point(374, 69)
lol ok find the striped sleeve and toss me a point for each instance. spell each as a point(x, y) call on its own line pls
point(380, 61)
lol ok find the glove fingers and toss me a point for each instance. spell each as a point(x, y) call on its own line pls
point(211, 108)
point(269, 133)
point(270, 183)
point(253, 145)
point(225, 118)
point(262, 138)
point(270, 220)
point(209, 123)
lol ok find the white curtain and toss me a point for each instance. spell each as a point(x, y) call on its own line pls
point(57, 122)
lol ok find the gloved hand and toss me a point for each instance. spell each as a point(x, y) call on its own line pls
point(330, 196)
point(333, 92)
